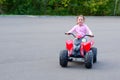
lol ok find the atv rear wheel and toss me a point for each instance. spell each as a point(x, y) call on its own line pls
point(89, 60)
point(63, 58)
point(94, 50)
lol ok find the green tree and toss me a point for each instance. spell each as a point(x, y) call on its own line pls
point(1, 6)
point(97, 7)
point(60, 7)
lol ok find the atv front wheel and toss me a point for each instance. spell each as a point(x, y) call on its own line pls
point(89, 60)
point(63, 58)
point(94, 50)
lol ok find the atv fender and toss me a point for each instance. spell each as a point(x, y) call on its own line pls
point(87, 46)
point(69, 44)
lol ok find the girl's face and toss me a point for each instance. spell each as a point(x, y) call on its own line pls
point(80, 20)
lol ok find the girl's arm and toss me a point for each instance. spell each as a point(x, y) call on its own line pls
point(71, 30)
point(89, 31)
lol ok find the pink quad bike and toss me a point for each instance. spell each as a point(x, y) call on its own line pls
point(79, 49)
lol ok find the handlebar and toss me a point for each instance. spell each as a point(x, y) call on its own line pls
point(90, 35)
point(70, 34)
point(75, 35)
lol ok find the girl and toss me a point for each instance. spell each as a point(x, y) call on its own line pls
point(80, 28)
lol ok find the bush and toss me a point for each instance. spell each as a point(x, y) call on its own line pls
point(60, 7)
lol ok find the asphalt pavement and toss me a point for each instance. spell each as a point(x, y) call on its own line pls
point(30, 46)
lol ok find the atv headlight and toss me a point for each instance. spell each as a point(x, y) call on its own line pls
point(84, 40)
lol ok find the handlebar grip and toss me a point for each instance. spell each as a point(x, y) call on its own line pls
point(90, 35)
point(67, 33)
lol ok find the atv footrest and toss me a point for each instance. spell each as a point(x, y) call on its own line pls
point(76, 56)
point(77, 59)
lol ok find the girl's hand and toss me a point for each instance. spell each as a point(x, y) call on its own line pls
point(67, 33)
point(91, 36)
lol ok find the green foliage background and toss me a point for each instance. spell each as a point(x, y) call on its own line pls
point(60, 7)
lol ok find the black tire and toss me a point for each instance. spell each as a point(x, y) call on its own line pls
point(94, 50)
point(89, 60)
point(63, 58)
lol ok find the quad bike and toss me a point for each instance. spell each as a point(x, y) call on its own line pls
point(79, 49)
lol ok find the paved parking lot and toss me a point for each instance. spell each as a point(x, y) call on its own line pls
point(30, 46)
